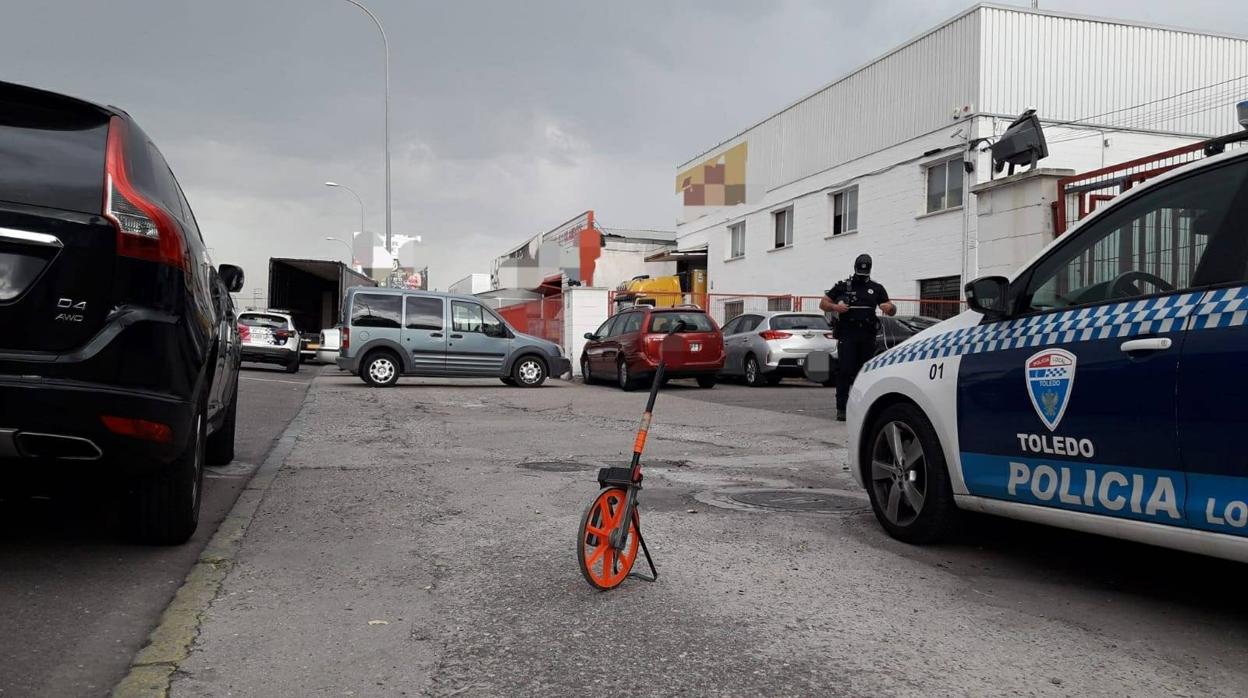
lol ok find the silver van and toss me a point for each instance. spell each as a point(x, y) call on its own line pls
point(394, 332)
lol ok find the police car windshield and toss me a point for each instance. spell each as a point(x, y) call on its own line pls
point(800, 322)
point(694, 322)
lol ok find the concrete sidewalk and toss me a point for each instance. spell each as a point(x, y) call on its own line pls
point(406, 549)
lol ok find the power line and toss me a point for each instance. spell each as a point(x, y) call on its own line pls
point(1152, 102)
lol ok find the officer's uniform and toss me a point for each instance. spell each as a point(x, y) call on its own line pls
point(856, 329)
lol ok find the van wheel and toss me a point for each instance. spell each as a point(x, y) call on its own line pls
point(220, 450)
point(753, 373)
point(907, 477)
point(623, 377)
point(529, 372)
point(163, 507)
point(380, 369)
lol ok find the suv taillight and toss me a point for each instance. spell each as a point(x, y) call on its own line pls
point(774, 334)
point(244, 332)
point(344, 342)
point(144, 229)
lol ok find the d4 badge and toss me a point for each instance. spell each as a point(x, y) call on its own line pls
point(1050, 379)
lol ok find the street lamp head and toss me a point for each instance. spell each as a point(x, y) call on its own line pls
point(331, 184)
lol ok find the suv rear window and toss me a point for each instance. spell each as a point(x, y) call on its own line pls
point(51, 151)
point(800, 322)
point(694, 322)
point(275, 322)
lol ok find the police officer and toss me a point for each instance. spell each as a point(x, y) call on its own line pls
point(854, 300)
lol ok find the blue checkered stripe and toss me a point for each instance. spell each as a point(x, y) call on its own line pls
point(1197, 310)
point(1043, 373)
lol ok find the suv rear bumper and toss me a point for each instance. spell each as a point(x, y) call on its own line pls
point(70, 412)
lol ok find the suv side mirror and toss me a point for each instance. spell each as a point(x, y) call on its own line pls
point(591, 336)
point(231, 276)
point(987, 295)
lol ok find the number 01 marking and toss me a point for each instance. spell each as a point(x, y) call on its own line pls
point(936, 371)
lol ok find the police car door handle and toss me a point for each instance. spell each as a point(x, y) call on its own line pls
point(1150, 344)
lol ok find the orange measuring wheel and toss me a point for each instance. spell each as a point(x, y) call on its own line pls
point(603, 565)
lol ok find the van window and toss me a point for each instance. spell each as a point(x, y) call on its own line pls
point(470, 317)
point(376, 310)
point(1184, 234)
point(424, 313)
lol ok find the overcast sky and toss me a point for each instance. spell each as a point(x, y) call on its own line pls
point(508, 117)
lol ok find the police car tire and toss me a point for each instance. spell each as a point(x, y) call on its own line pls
point(939, 516)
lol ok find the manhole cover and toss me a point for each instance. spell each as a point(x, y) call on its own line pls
point(556, 466)
point(798, 500)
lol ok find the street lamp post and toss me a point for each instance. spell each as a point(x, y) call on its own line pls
point(357, 198)
point(350, 251)
point(386, 45)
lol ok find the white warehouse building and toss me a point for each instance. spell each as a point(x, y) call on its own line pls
point(878, 160)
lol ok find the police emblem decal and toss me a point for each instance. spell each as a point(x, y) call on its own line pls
point(1050, 380)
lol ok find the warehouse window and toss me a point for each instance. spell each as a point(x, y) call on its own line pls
point(733, 309)
point(845, 211)
point(940, 297)
point(944, 185)
point(780, 303)
point(784, 227)
point(736, 240)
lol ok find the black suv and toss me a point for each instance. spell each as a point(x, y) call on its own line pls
point(118, 342)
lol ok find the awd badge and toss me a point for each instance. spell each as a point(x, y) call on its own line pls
point(1050, 378)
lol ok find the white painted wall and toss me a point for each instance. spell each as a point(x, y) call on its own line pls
point(471, 285)
point(907, 244)
point(1015, 219)
point(584, 310)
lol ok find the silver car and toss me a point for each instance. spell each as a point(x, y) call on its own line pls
point(764, 348)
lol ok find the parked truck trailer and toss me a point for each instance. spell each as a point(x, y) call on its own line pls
point(311, 291)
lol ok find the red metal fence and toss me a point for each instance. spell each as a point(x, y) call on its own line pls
point(1079, 195)
point(725, 306)
point(542, 317)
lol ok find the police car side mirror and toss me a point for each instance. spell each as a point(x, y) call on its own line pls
point(987, 295)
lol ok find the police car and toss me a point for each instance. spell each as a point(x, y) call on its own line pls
point(1103, 388)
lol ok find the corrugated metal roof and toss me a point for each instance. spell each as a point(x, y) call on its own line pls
point(771, 137)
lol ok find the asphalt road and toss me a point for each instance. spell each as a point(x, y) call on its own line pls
point(419, 540)
point(76, 600)
point(792, 396)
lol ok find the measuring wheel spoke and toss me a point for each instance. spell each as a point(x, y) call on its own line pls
point(603, 566)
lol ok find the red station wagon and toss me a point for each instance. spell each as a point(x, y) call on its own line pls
point(626, 347)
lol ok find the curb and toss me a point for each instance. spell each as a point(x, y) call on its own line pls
point(151, 670)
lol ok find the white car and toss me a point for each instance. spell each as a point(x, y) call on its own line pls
point(1100, 389)
point(269, 337)
point(328, 346)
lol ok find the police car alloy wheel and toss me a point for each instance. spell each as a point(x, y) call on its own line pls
point(906, 476)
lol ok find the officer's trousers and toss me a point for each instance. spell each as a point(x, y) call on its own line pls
point(851, 353)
